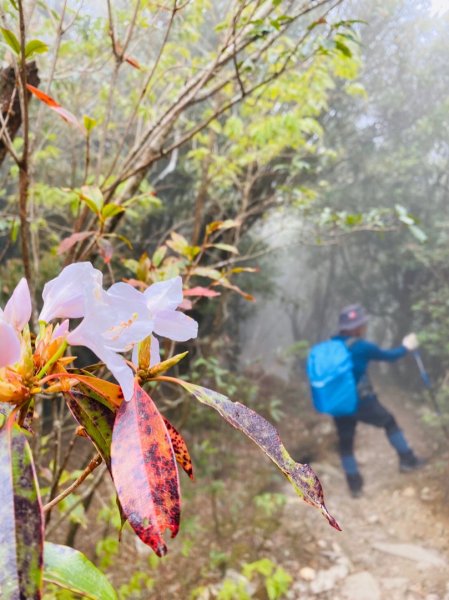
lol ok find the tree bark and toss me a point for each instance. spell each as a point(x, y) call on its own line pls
point(10, 101)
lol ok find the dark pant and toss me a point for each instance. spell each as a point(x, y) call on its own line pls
point(369, 411)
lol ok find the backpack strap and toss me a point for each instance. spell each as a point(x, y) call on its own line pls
point(350, 342)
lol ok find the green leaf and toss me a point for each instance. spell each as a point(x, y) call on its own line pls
point(15, 228)
point(159, 255)
point(89, 123)
point(262, 433)
point(110, 210)
point(11, 40)
point(226, 248)
point(418, 233)
point(93, 197)
point(343, 48)
point(35, 47)
point(21, 532)
point(71, 570)
point(207, 272)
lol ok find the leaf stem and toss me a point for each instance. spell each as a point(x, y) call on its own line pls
point(94, 463)
point(56, 356)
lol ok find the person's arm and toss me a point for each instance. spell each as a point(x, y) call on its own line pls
point(371, 351)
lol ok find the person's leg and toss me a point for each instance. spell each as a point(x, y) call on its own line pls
point(346, 433)
point(371, 411)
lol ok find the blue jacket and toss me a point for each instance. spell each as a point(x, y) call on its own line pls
point(362, 352)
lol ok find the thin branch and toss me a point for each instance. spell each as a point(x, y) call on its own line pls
point(144, 90)
point(93, 464)
point(23, 164)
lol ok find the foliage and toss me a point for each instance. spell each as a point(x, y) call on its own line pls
point(90, 149)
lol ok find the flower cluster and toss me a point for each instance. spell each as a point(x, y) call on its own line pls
point(113, 321)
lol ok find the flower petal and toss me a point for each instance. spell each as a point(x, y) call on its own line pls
point(64, 296)
point(18, 308)
point(10, 348)
point(175, 325)
point(164, 295)
point(155, 355)
point(61, 330)
point(117, 319)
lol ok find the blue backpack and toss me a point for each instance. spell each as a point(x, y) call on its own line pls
point(331, 378)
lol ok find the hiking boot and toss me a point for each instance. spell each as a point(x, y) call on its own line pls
point(355, 484)
point(409, 462)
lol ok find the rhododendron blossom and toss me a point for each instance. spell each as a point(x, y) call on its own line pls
point(13, 319)
point(114, 321)
point(65, 295)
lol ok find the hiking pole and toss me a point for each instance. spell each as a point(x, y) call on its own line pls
point(428, 385)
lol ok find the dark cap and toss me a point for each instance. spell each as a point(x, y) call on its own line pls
point(351, 317)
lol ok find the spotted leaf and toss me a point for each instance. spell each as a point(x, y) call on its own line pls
point(180, 449)
point(105, 392)
point(21, 533)
point(144, 470)
point(96, 419)
point(260, 431)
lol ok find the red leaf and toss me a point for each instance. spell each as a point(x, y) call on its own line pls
point(201, 291)
point(51, 103)
point(144, 470)
point(186, 305)
point(132, 61)
point(73, 239)
point(106, 249)
point(180, 449)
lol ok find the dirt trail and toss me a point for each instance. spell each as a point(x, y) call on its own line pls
point(395, 539)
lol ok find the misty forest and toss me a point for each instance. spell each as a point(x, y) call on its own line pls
point(215, 215)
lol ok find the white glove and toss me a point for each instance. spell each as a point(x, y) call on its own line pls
point(410, 342)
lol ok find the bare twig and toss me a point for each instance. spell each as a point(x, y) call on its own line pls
point(93, 464)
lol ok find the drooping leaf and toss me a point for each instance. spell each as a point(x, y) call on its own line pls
point(35, 47)
point(71, 570)
point(21, 531)
point(96, 419)
point(201, 291)
point(144, 470)
point(11, 40)
point(51, 103)
point(73, 239)
point(260, 431)
point(180, 449)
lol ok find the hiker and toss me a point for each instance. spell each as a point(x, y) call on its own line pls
point(352, 329)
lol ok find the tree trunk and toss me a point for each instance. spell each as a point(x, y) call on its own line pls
point(10, 100)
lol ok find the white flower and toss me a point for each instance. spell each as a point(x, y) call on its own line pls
point(117, 320)
point(65, 295)
point(114, 322)
point(13, 319)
